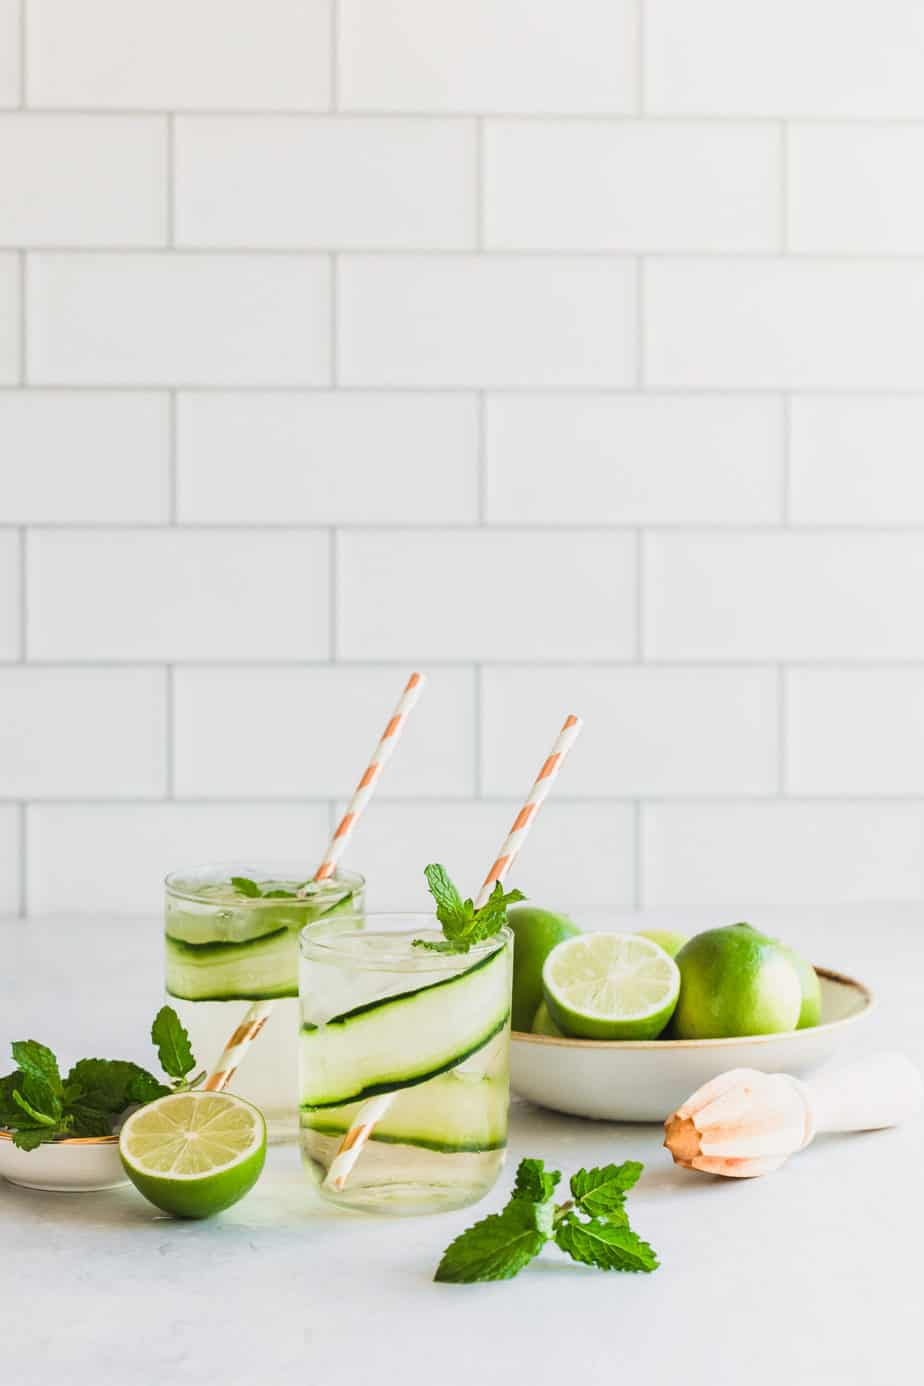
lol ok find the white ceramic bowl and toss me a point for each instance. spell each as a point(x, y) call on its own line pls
point(64, 1166)
point(646, 1080)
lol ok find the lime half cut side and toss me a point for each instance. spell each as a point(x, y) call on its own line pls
point(611, 987)
point(194, 1153)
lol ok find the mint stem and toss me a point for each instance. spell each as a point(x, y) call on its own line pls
point(562, 1210)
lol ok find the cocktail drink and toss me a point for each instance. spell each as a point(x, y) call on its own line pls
point(430, 1031)
point(232, 938)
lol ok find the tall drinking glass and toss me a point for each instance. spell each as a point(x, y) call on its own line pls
point(227, 945)
point(431, 1030)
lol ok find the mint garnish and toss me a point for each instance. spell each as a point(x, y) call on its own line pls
point(37, 1105)
point(591, 1227)
point(463, 925)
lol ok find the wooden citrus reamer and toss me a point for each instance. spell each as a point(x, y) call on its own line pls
point(372, 1111)
point(745, 1123)
point(258, 1014)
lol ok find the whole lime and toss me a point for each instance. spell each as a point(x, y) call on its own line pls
point(543, 1024)
point(536, 932)
point(810, 1013)
point(735, 981)
point(668, 939)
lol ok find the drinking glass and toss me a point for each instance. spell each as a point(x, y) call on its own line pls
point(423, 1034)
point(226, 948)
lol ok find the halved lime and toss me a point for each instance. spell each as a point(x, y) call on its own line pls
point(611, 986)
point(194, 1153)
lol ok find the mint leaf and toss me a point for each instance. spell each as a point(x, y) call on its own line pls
point(88, 1121)
point(279, 895)
point(450, 907)
point(602, 1191)
point(497, 1248)
point(9, 1112)
point(110, 1085)
point(463, 925)
point(38, 1062)
point(492, 916)
point(534, 1182)
point(35, 1114)
point(28, 1137)
point(244, 886)
point(608, 1245)
point(172, 1041)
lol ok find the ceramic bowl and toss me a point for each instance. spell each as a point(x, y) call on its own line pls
point(646, 1080)
point(64, 1166)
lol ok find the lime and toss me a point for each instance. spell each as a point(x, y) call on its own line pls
point(194, 1153)
point(610, 986)
point(668, 939)
point(543, 1024)
point(810, 1013)
point(735, 981)
point(536, 933)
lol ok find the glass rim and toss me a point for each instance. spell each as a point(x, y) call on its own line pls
point(318, 942)
point(175, 881)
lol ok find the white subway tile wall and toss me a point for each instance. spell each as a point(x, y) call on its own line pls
point(572, 353)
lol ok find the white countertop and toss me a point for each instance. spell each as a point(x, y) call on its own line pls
point(812, 1275)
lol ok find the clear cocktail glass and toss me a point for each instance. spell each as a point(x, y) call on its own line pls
point(427, 1035)
point(226, 948)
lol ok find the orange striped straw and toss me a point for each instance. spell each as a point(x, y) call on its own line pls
point(259, 1013)
point(372, 1111)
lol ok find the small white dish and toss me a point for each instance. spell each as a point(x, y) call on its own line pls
point(74, 1166)
point(646, 1080)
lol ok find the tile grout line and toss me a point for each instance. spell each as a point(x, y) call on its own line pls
point(781, 728)
point(23, 318)
point(172, 459)
point(23, 605)
point(786, 464)
point(23, 816)
point(640, 342)
point(611, 116)
point(23, 55)
point(784, 187)
point(481, 461)
point(641, 95)
point(478, 742)
point(640, 596)
point(170, 189)
point(334, 55)
point(638, 892)
point(170, 732)
point(334, 335)
point(333, 596)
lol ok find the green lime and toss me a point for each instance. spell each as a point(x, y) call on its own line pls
point(610, 987)
point(536, 933)
point(543, 1024)
point(735, 981)
point(194, 1153)
point(810, 1013)
point(668, 939)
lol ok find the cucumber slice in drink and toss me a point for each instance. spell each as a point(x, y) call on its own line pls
point(405, 1039)
point(259, 970)
point(243, 954)
point(449, 1115)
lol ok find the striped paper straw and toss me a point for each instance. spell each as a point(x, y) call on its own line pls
point(258, 1014)
point(351, 1147)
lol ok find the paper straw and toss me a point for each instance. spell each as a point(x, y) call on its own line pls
point(372, 1111)
point(258, 1014)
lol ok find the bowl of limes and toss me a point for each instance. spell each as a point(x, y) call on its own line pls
point(624, 1026)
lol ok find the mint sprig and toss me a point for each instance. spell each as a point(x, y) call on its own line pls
point(463, 925)
point(37, 1105)
point(245, 886)
point(500, 1245)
